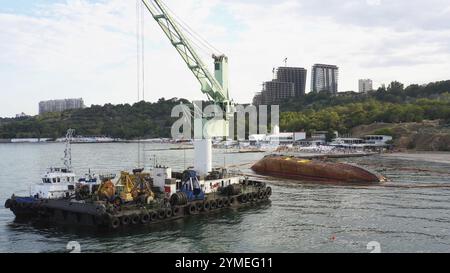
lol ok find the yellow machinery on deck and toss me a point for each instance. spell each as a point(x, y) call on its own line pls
point(129, 187)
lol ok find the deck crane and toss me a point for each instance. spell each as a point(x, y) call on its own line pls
point(215, 87)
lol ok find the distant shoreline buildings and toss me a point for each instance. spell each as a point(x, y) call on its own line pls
point(324, 78)
point(60, 105)
point(365, 85)
point(290, 82)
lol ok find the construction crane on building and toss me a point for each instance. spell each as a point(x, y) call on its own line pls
point(214, 87)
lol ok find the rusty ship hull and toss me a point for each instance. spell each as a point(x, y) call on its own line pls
point(315, 170)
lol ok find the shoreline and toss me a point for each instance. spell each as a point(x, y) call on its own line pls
point(428, 156)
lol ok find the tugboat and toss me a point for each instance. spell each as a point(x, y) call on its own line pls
point(137, 198)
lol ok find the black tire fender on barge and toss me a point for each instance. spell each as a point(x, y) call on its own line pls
point(153, 216)
point(268, 192)
point(125, 220)
point(255, 196)
point(213, 205)
point(114, 222)
point(192, 209)
point(199, 206)
point(161, 214)
point(169, 213)
point(226, 202)
point(249, 197)
point(135, 219)
point(242, 198)
point(145, 218)
point(261, 194)
point(206, 206)
point(176, 211)
point(219, 203)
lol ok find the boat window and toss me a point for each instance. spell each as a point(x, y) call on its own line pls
point(54, 180)
point(59, 179)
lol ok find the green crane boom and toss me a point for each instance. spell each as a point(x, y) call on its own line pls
point(216, 88)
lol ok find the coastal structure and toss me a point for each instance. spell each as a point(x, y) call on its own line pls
point(324, 77)
point(289, 82)
point(365, 85)
point(22, 115)
point(295, 75)
point(60, 105)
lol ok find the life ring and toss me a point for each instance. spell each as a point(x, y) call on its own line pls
point(125, 220)
point(145, 218)
point(135, 219)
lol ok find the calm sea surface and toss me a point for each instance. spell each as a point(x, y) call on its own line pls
point(300, 218)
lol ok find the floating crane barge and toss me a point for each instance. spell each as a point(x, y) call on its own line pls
point(145, 208)
point(144, 198)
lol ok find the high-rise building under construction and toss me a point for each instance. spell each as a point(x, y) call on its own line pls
point(324, 77)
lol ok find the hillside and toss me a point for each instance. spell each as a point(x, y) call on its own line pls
point(143, 119)
point(425, 108)
point(394, 104)
point(422, 136)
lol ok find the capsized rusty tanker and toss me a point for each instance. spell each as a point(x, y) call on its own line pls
point(315, 170)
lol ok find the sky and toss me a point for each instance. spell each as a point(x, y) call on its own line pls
point(55, 49)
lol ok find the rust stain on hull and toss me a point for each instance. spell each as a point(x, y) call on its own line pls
point(315, 170)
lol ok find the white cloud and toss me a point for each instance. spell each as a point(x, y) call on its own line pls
point(86, 49)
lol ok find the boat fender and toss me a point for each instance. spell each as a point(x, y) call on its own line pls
point(168, 213)
point(219, 203)
point(192, 208)
point(161, 213)
point(114, 222)
point(145, 218)
point(254, 196)
point(206, 206)
point(213, 205)
point(199, 206)
point(135, 219)
point(125, 220)
point(153, 216)
point(243, 198)
point(232, 200)
point(176, 211)
point(268, 191)
point(261, 194)
point(226, 202)
point(249, 197)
